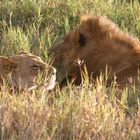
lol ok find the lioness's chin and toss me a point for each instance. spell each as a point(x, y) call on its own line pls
point(48, 85)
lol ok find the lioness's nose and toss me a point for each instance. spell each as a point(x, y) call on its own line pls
point(52, 70)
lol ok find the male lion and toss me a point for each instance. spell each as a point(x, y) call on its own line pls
point(23, 70)
point(101, 45)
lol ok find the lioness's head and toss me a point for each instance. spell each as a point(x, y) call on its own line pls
point(96, 42)
point(26, 70)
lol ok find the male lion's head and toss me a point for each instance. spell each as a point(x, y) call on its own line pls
point(27, 72)
point(96, 42)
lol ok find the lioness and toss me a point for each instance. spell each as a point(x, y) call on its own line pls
point(100, 45)
point(23, 70)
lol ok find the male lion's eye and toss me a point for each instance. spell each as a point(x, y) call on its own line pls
point(62, 43)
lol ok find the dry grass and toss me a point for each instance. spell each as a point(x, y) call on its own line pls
point(85, 112)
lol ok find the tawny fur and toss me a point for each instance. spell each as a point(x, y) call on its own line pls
point(100, 44)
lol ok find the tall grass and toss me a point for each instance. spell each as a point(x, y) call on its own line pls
point(87, 112)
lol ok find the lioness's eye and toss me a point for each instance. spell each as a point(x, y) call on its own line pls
point(36, 67)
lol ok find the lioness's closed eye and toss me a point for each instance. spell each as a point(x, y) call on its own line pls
point(24, 69)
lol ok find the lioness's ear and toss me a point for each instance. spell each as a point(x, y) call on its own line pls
point(82, 40)
point(3, 60)
point(8, 64)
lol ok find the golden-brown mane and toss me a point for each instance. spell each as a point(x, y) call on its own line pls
point(104, 28)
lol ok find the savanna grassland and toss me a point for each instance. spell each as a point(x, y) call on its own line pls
point(87, 112)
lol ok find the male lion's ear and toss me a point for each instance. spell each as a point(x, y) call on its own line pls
point(82, 40)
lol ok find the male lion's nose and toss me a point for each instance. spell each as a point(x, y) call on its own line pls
point(50, 52)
